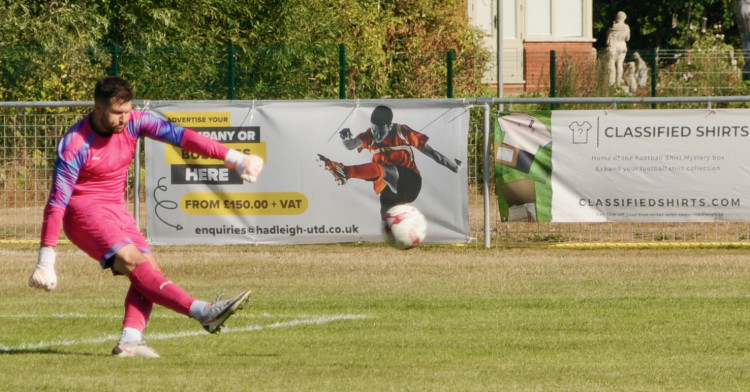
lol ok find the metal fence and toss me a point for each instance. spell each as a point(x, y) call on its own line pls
point(320, 71)
point(335, 71)
point(28, 137)
point(29, 133)
point(715, 71)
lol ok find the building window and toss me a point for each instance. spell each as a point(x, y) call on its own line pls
point(509, 19)
point(554, 18)
point(538, 17)
point(569, 18)
point(480, 11)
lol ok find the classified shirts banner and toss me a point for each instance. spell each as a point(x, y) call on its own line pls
point(641, 166)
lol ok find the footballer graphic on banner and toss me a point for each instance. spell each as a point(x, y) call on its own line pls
point(392, 170)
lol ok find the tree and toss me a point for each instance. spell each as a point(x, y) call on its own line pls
point(182, 49)
point(400, 47)
point(43, 53)
point(667, 24)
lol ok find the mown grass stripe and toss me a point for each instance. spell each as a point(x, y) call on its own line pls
point(165, 336)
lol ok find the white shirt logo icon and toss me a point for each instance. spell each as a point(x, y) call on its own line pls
point(580, 132)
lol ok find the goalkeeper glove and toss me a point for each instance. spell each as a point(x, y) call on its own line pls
point(248, 166)
point(44, 276)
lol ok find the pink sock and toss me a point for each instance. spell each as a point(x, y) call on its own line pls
point(156, 288)
point(137, 310)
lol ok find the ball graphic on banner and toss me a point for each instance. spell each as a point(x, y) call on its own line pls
point(404, 226)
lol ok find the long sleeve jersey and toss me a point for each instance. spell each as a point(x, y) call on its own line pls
point(95, 167)
point(395, 149)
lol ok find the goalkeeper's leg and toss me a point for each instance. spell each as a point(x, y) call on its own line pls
point(151, 283)
point(131, 343)
point(147, 279)
point(137, 312)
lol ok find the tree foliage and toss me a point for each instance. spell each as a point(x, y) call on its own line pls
point(185, 49)
point(743, 25)
point(669, 24)
point(715, 25)
point(60, 66)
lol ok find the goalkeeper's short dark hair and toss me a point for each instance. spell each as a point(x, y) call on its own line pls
point(382, 115)
point(110, 89)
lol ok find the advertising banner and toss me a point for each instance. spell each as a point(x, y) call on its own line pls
point(326, 176)
point(624, 165)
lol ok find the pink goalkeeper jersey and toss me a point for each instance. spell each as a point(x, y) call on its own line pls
point(95, 168)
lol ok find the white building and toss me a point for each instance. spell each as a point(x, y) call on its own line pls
point(531, 29)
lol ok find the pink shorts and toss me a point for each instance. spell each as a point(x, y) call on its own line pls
point(101, 229)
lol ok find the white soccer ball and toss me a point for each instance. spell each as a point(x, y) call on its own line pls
point(404, 226)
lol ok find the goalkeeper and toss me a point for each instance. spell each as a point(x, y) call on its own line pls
point(87, 201)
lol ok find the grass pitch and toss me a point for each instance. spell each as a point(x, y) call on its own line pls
point(370, 318)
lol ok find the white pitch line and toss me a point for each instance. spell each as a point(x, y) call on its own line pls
point(60, 316)
point(164, 336)
point(154, 316)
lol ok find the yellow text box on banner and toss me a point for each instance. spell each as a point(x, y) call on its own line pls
point(244, 203)
point(177, 156)
point(200, 119)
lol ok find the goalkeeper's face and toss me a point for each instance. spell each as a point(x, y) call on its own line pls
point(112, 118)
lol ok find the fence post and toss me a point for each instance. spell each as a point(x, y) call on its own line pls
point(451, 57)
point(342, 71)
point(114, 68)
point(654, 73)
point(230, 71)
point(553, 77)
point(486, 176)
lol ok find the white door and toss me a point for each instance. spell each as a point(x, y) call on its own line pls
point(483, 14)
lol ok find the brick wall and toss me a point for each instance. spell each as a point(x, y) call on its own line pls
point(537, 62)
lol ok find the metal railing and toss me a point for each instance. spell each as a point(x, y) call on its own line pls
point(29, 132)
point(333, 71)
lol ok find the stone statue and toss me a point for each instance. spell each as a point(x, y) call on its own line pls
point(629, 77)
point(617, 36)
point(641, 70)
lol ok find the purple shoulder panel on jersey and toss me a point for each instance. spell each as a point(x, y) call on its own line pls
point(148, 125)
point(72, 155)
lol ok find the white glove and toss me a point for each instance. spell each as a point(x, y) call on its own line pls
point(44, 276)
point(248, 166)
